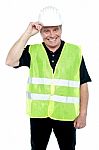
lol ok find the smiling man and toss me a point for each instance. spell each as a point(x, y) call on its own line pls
point(57, 90)
point(51, 37)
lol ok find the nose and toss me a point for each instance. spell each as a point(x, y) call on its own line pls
point(52, 33)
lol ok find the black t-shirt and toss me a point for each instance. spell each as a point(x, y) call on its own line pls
point(53, 58)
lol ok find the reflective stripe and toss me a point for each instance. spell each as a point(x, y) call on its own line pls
point(37, 96)
point(65, 99)
point(56, 98)
point(59, 82)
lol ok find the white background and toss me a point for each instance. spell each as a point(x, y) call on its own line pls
point(80, 26)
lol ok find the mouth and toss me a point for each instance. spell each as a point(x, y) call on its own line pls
point(52, 39)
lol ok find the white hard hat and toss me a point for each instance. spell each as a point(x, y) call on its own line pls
point(50, 16)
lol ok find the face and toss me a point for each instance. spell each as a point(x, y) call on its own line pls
point(51, 36)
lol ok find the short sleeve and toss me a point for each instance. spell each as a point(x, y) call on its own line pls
point(84, 76)
point(25, 58)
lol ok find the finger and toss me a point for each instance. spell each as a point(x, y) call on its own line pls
point(76, 124)
point(79, 125)
point(39, 27)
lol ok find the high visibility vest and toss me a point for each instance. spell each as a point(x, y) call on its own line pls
point(55, 95)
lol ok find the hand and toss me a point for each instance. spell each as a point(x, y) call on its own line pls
point(80, 122)
point(33, 28)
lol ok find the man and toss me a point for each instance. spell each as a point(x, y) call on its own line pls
point(57, 91)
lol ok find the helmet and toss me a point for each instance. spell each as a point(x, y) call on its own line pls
point(49, 16)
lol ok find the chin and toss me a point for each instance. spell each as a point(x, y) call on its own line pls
point(53, 43)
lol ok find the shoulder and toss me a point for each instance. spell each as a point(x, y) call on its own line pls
point(35, 45)
point(34, 48)
point(73, 48)
point(71, 45)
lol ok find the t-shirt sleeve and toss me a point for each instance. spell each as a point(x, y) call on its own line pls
point(84, 76)
point(25, 58)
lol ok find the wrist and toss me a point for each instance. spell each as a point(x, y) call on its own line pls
point(83, 114)
point(26, 35)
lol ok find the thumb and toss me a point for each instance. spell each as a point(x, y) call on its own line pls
point(75, 123)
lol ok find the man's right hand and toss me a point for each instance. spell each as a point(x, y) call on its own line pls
point(18, 47)
point(33, 28)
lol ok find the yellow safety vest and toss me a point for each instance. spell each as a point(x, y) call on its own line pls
point(55, 95)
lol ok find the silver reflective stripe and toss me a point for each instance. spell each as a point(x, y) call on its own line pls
point(65, 99)
point(56, 98)
point(58, 82)
point(34, 96)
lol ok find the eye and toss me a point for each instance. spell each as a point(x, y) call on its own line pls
point(46, 30)
point(55, 29)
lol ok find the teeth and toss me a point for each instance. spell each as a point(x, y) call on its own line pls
point(52, 40)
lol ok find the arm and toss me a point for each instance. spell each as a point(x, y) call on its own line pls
point(18, 48)
point(80, 121)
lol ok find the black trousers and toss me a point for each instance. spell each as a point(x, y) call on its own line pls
point(41, 129)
